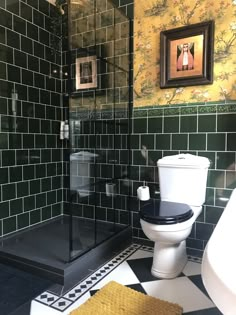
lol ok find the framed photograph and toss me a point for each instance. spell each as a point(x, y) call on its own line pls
point(86, 73)
point(186, 55)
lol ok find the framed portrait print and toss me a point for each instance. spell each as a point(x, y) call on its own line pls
point(186, 55)
point(86, 73)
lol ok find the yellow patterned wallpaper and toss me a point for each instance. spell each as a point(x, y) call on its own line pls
point(154, 16)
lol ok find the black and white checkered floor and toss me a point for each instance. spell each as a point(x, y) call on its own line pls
point(132, 268)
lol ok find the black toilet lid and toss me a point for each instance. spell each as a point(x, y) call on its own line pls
point(164, 212)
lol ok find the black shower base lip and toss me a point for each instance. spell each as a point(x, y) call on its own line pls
point(77, 269)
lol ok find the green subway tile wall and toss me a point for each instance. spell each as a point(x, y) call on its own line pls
point(31, 153)
point(209, 133)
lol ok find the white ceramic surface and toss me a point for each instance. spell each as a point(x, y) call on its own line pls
point(183, 178)
point(219, 261)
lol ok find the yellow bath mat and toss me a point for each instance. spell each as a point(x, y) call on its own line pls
point(116, 299)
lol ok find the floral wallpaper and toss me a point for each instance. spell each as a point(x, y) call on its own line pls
point(154, 16)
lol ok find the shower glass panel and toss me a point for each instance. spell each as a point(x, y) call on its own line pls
point(99, 112)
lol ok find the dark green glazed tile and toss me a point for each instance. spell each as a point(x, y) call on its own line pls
point(8, 192)
point(15, 174)
point(28, 172)
point(56, 182)
point(13, 39)
point(23, 220)
point(46, 184)
point(2, 35)
point(231, 142)
point(4, 209)
point(134, 172)
point(188, 124)
point(13, 6)
point(206, 123)
point(3, 175)
point(3, 141)
point(147, 141)
point(89, 211)
point(46, 213)
point(216, 179)
point(9, 225)
point(204, 231)
point(29, 203)
point(193, 243)
point(40, 170)
point(8, 158)
point(3, 107)
point(171, 124)
point(3, 71)
point(34, 186)
point(140, 125)
point(124, 156)
point(210, 196)
point(16, 207)
point(155, 125)
point(226, 123)
point(138, 159)
point(216, 141)
point(147, 174)
point(222, 196)
point(34, 217)
point(22, 189)
point(28, 141)
point(163, 142)
point(231, 179)
point(22, 157)
point(15, 142)
point(225, 160)
point(51, 197)
point(153, 157)
point(56, 209)
point(179, 142)
point(197, 141)
point(41, 200)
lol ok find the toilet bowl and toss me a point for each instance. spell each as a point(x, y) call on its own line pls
point(168, 221)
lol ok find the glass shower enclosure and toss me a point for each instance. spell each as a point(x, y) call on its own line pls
point(99, 119)
point(95, 86)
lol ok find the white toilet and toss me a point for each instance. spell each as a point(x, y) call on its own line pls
point(168, 222)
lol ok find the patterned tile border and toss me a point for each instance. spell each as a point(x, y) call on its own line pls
point(184, 109)
point(100, 114)
point(61, 303)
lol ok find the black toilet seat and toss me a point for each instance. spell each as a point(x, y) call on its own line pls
point(164, 212)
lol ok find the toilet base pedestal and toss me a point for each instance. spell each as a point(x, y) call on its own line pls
point(169, 259)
